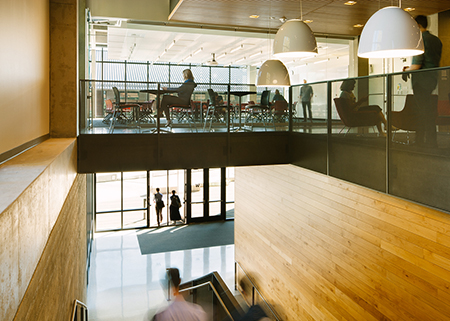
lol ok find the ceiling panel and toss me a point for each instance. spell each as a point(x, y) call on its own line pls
point(329, 16)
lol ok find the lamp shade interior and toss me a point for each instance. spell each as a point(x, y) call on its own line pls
point(391, 32)
point(273, 73)
point(294, 39)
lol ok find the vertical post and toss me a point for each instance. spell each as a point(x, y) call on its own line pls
point(389, 132)
point(291, 123)
point(228, 125)
point(188, 193)
point(223, 193)
point(329, 124)
point(206, 192)
point(148, 198)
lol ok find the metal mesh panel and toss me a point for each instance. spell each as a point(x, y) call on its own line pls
point(201, 74)
point(238, 75)
point(98, 71)
point(159, 73)
point(176, 73)
point(136, 72)
point(114, 71)
point(220, 75)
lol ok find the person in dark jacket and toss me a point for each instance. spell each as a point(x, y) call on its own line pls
point(423, 84)
point(184, 94)
point(175, 204)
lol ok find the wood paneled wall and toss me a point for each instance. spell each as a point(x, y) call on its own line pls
point(319, 248)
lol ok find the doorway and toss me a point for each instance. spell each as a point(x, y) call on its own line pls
point(125, 200)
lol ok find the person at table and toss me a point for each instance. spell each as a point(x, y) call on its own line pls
point(347, 88)
point(184, 94)
point(277, 97)
point(279, 104)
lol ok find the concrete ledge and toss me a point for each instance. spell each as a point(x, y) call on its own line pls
point(33, 189)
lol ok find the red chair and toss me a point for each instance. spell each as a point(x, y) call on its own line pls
point(109, 110)
point(351, 118)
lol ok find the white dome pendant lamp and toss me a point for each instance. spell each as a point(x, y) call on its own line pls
point(295, 39)
point(273, 73)
point(390, 32)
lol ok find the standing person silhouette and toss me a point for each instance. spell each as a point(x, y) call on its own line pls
point(306, 93)
point(423, 84)
point(159, 205)
point(175, 204)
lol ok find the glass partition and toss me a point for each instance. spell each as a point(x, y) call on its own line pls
point(358, 141)
point(388, 132)
point(420, 139)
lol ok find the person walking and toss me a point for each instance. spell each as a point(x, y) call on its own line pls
point(306, 93)
point(179, 309)
point(159, 205)
point(175, 204)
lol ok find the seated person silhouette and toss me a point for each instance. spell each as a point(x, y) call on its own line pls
point(279, 104)
point(347, 88)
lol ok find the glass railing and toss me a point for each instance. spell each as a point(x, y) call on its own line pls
point(213, 295)
point(136, 108)
point(387, 132)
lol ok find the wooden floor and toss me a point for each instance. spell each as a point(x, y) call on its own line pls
point(319, 248)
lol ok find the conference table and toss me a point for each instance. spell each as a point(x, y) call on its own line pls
point(240, 94)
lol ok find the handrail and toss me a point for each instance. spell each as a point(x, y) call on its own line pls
point(259, 293)
point(84, 316)
point(215, 292)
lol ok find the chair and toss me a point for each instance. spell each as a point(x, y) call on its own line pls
point(146, 112)
point(185, 112)
point(214, 110)
point(351, 118)
point(119, 111)
point(407, 119)
point(259, 113)
point(109, 111)
point(280, 112)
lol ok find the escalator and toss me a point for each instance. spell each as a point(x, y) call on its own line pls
point(213, 295)
point(219, 303)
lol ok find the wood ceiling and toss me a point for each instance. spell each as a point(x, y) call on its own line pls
point(330, 17)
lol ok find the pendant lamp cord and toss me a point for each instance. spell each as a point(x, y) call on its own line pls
point(301, 10)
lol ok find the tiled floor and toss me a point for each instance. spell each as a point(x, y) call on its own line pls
point(125, 285)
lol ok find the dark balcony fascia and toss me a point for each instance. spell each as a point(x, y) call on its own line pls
point(138, 152)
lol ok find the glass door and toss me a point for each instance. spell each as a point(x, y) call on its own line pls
point(206, 195)
point(215, 192)
point(197, 193)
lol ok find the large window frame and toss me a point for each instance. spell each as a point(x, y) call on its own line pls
point(148, 208)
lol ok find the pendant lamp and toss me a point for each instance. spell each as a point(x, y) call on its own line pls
point(273, 73)
point(294, 39)
point(391, 32)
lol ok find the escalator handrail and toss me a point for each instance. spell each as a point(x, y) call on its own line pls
point(215, 292)
point(74, 311)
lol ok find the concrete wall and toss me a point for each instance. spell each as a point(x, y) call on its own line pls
point(63, 68)
point(42, 233)
point(147, 10)
point(319, 248)
point(24, 72)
